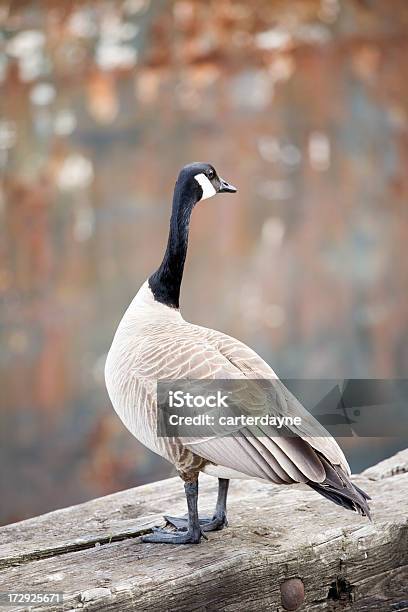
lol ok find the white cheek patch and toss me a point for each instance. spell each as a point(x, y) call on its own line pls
point(206, 186)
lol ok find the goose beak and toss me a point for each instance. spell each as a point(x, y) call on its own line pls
point(226, 187)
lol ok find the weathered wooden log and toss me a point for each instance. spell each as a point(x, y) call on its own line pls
point(285, 548)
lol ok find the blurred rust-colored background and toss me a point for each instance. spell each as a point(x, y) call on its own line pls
point(301, 104)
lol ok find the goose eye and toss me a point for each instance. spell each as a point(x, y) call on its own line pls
point(210, 174)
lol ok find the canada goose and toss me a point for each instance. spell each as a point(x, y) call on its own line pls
point(153, 342)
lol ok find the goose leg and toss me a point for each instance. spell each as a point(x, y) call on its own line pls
point(192, 534)
point(214, 523)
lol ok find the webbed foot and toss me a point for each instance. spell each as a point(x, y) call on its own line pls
point(214, 523)
point(187, 536)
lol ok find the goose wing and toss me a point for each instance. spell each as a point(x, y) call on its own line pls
point(284, 403)
point(193, 352)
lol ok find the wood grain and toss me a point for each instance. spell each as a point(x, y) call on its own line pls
point(92, 552)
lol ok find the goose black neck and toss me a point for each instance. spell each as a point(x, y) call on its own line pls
point(166, 281)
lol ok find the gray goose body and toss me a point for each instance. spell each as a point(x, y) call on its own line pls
point(153, 342)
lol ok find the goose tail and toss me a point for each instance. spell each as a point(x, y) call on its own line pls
point(338, 488)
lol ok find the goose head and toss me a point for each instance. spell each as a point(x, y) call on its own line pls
point(201, 180)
